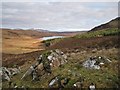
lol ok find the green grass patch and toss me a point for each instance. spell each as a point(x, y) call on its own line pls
point(99, 33)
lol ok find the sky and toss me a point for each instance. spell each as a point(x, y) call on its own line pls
point(57, 16)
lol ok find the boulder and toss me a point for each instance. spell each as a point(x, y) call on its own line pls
point(57, 58)
point(53, 82)
point(40, 66)
point(5, 74)
point(14, 71)
point(56, 63)
point(95, 62)
point(28, 72)
point(77, 85)
point(47, 60)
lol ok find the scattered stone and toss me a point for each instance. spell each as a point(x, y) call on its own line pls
point(83, 52)
point(40, 66)
point(64, 81)
point(46, 61)
point(39, 60)
point(53, 81)
point(7, 73)
point(94, 50)
point(28, 72)
point(92, 87)
point(15, 86)
point(34, 75)
point(57, 58)
point(10, 84)
point(58, 82)
point(95, 62)
point(90, 64)
point(79, 83)
point(14, 71)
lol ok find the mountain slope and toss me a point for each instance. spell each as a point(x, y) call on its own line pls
point(111, 24)
point(105, 35)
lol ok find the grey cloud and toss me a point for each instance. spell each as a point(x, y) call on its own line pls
point(56, 15)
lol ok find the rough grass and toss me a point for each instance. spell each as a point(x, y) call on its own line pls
point(99, 33)
point(21, 45)
point(107, 77)
point(98, 39)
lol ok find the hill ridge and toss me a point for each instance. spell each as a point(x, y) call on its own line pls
point(114, 23)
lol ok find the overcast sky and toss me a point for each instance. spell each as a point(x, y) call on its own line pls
point(57, 16)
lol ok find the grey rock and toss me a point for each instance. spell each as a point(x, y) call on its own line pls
point(53, 81)
point(5, 74)
point(95, 62)
point(28, 72)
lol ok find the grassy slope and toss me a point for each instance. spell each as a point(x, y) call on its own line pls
point(107, 77)
point(100, 33)
point(98, 39)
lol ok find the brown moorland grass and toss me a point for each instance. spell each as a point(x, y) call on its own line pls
point(86, 43)
point(24, 41)
point(21, 45)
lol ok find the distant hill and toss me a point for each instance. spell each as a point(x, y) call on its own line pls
point(11, 33)
point(109, 25)
point(105, 35)
point(107, 29)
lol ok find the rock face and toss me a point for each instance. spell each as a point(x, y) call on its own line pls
point(6, 73)
point(95, 62)
point(47, 61)
point(57, 58)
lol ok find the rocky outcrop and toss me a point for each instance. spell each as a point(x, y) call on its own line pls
point(46, 61)
point(7, 73)
point(57, 58)
point(95, 62)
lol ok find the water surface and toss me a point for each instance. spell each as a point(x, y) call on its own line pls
point(51, 37)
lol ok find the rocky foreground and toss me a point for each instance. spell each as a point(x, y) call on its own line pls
point(73, 68)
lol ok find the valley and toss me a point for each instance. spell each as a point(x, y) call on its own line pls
point(24, 41)
point(63, 58)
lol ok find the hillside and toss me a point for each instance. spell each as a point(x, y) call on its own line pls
point(15, 41)
point(105, 35)
point(111, 24)
point(100, 45)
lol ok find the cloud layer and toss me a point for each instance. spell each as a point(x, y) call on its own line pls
point(57, 15)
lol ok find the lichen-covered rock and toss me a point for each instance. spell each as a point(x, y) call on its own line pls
point(28, 72)
point(57, 58)
point(14, 71)
point(95, 62)
point(6, 73)
point(40, 66)
point(46, 61)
